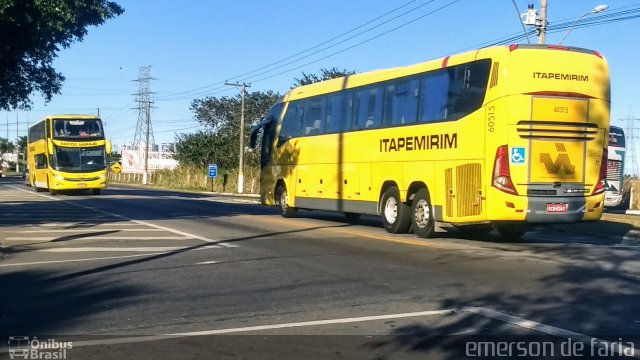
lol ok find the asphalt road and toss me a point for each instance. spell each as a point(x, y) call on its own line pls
point(140, 273)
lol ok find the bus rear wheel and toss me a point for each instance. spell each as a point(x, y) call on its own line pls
point(421, 214)
point(394, 213)
point(283, 202)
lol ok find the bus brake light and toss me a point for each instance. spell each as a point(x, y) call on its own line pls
point(599, 189)
point(501, 173)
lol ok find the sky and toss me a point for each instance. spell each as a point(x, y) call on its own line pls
point(194, 46)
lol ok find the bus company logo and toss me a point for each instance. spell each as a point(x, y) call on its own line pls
point(23, 347)
point(424, 142)
point(75, 144)
point(562, 161)
point(560, 76)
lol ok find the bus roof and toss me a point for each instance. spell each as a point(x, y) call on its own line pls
point(355, 80)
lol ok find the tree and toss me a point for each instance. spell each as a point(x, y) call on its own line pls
point(6, 146)
point(33, 32)
point(115, 157)
point(219, 141)
point(325, 74)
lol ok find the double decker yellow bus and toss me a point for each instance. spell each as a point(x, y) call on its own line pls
point(68, 152)
point(501, 137)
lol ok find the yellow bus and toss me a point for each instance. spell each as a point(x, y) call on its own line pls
point(68, 152)
point(499, 137)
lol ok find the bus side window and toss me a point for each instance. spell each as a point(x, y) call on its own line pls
point(41, 161)
point(292, 123)
point(468, 87)
point(339, 109)
point(401, 102)
point(314, 115)
point(435, 94)
point(368, 107)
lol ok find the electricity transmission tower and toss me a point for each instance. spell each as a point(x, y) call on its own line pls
point(630, 155)
point(144, 128)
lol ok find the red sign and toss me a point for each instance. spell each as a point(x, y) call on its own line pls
point(557, 208)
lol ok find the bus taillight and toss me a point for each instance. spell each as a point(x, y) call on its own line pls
point(603, 173)
point(501, 173)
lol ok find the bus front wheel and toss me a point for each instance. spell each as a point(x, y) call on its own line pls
point(421, 214)
point(283, 202)
point(394, 213)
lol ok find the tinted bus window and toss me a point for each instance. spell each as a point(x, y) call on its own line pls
point(401, 102)
point(435, 95)
point(292, 123)
point(616, 137)
point(338, 118)
point(314, 115)
point(368, 107)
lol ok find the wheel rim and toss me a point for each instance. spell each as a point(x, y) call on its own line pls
point(422, 213)
point(391, 210)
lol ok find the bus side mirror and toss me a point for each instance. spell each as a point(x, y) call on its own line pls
point(108, 146)
point(253, 140)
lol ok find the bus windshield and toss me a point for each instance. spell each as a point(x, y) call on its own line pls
point(76, 128)
point(79, 159)
point(616, 137)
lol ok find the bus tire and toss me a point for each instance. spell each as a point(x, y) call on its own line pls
point(511, 231)
point(35, 186)
point(283, 202)
point(51, 191)
point(422, 214)
point(393, 212)
point(95, 191)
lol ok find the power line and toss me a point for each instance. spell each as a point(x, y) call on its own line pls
point(221, 86)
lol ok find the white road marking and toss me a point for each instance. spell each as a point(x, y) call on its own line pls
point(125, 249)
point(193, 236)
point(84, 224)
point(497, 315)
point(81, 237)
point(79, 260)
point(552, 330)
point(207, 263)
point(75, 230)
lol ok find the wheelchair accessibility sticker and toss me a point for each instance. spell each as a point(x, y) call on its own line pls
point(517, 155)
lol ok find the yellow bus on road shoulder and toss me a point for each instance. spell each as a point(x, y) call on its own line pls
point(498, 137)
point(68, 152)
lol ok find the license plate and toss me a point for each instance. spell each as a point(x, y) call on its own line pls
point(82, 185)
point(557, 208)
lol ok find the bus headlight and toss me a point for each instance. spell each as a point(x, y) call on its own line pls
point(59, 177)
point(102, 176)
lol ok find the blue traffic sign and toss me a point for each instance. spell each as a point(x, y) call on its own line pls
point(213, 170)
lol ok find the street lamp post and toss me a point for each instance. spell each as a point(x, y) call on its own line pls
point(597, 9)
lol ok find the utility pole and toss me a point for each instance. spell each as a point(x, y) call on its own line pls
point(146, 149)
point(16, 147)
point(243, 87)
point(543, 22)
